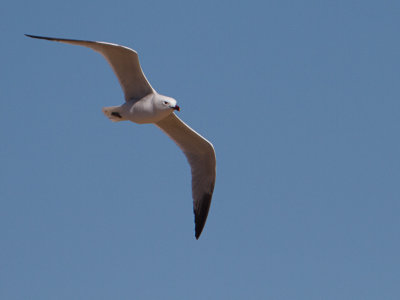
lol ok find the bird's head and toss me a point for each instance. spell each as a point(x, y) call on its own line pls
point(169, 103)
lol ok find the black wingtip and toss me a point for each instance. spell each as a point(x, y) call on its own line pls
point(32, 36)
point(201, 213)
point(40, 37)
point(198, 231)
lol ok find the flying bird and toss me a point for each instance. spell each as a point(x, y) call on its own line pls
point(144, 105)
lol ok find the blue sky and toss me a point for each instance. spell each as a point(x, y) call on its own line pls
point(299, 98)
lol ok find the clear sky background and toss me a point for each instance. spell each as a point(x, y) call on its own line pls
point(301, 100)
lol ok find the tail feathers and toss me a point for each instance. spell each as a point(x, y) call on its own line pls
point(114, 113)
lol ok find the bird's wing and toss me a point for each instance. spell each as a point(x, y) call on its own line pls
point(201, 156)
point(123, 60)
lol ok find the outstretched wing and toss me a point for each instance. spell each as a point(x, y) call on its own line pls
point(123, 60)
point(201, 156)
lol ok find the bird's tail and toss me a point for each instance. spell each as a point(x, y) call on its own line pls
point(114, 113)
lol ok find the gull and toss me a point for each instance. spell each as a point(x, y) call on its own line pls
point(144, 105)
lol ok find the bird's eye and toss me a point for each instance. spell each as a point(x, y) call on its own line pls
point(165, 102)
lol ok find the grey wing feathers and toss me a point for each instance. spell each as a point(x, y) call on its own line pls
point(201, 156)
point(124, 62)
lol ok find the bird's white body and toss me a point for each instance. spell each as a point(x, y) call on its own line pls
point(149, 109)
point(144, 105)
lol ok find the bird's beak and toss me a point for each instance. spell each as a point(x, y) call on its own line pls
point(176, 107)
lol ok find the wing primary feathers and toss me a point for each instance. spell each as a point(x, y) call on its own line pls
point(201, 213)
point(55, 39)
